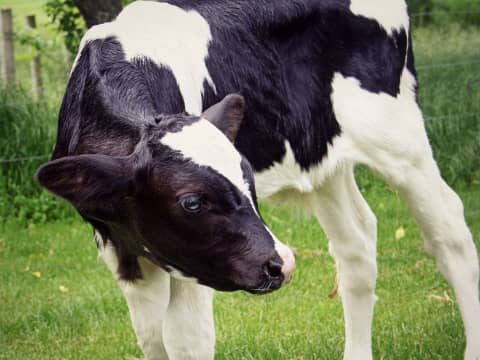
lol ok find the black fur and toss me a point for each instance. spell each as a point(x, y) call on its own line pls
point(281, 56)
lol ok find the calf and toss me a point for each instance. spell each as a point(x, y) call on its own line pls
point(325, 84)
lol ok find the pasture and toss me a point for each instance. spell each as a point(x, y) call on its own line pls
point(58, 300)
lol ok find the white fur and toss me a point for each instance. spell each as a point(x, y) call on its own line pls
point(170, 36)
point(205, 145)
point(386, 133)
point(288, 175)
point(173, 319)
point(389, 136)
point(390, 14)
point(351, 228)
point(147, 302)
point(189, 330)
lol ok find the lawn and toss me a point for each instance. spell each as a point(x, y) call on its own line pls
point(58, 300)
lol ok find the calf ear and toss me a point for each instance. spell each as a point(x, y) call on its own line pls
point(227, 115)
point(92, 183)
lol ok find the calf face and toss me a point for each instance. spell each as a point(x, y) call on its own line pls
point(185, 199)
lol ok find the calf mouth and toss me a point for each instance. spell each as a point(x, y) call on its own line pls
point(267, 287)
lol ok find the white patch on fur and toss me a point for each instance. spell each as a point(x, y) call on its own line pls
point(173, 319)
point(368, 119)
point(389, 136)
point(205, 145)
point(189, 331)
point(168, 35)
point(288, 175)
point(391, 15)
point(351, 229)
point(147, 301)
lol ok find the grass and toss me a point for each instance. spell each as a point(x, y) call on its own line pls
point(26, 129)
point(449, 97)
point(414, 318)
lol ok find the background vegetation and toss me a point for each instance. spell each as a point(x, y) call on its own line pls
point(58, 301)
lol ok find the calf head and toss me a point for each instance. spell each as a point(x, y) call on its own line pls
point(185, 199)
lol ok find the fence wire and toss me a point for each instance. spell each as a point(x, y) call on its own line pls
point(418, 67)
point(448, 64)
point(444, 12)
point(23, 159)
point(426, 117)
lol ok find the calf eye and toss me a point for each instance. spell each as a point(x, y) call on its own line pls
point(191, 203)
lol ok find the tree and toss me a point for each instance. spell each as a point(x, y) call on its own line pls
point(96, 12)
point(71, 16)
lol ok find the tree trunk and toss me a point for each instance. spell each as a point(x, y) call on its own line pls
point(96, 12)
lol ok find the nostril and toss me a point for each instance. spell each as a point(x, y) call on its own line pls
point(273, 269)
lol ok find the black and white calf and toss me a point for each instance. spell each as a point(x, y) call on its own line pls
point(326, 84)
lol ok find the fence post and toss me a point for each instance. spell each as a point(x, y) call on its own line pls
point(35, 65)
point(7, 51)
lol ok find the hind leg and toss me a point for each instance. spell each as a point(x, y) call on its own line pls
point(439, 212)
point(389, 136)
point(351, 228)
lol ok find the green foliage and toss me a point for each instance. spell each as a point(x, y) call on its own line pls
point(449, 97)
point(421, 11)
point(441, 12)
point(69, 21)
point(30, 38)
point(26, 129)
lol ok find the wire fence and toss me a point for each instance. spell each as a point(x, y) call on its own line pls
point(443, 12)
point(24, 158)
point(448, 64)
point(418, 67)
point(47, 156)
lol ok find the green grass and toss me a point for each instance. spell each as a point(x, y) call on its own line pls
point(90, 321)
point(26, 129)
point(449, 97)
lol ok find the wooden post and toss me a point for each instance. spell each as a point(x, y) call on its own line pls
point(7, 51)
point(35, 65)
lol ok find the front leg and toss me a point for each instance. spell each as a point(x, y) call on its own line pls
point(189, 330)
point(147, 301)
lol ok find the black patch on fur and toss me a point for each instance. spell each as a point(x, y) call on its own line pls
point(281, 57)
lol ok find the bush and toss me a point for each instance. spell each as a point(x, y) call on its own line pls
point(421, 11)
point(440, 12)
point(27, 129)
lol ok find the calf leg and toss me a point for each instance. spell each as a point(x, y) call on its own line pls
point(351, 228)
point(439, 212)
point(147, 301)
point(389, 136)
point(189, 331)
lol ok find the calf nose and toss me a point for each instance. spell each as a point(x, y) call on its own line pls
point(273, 269)
point(288, 258)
